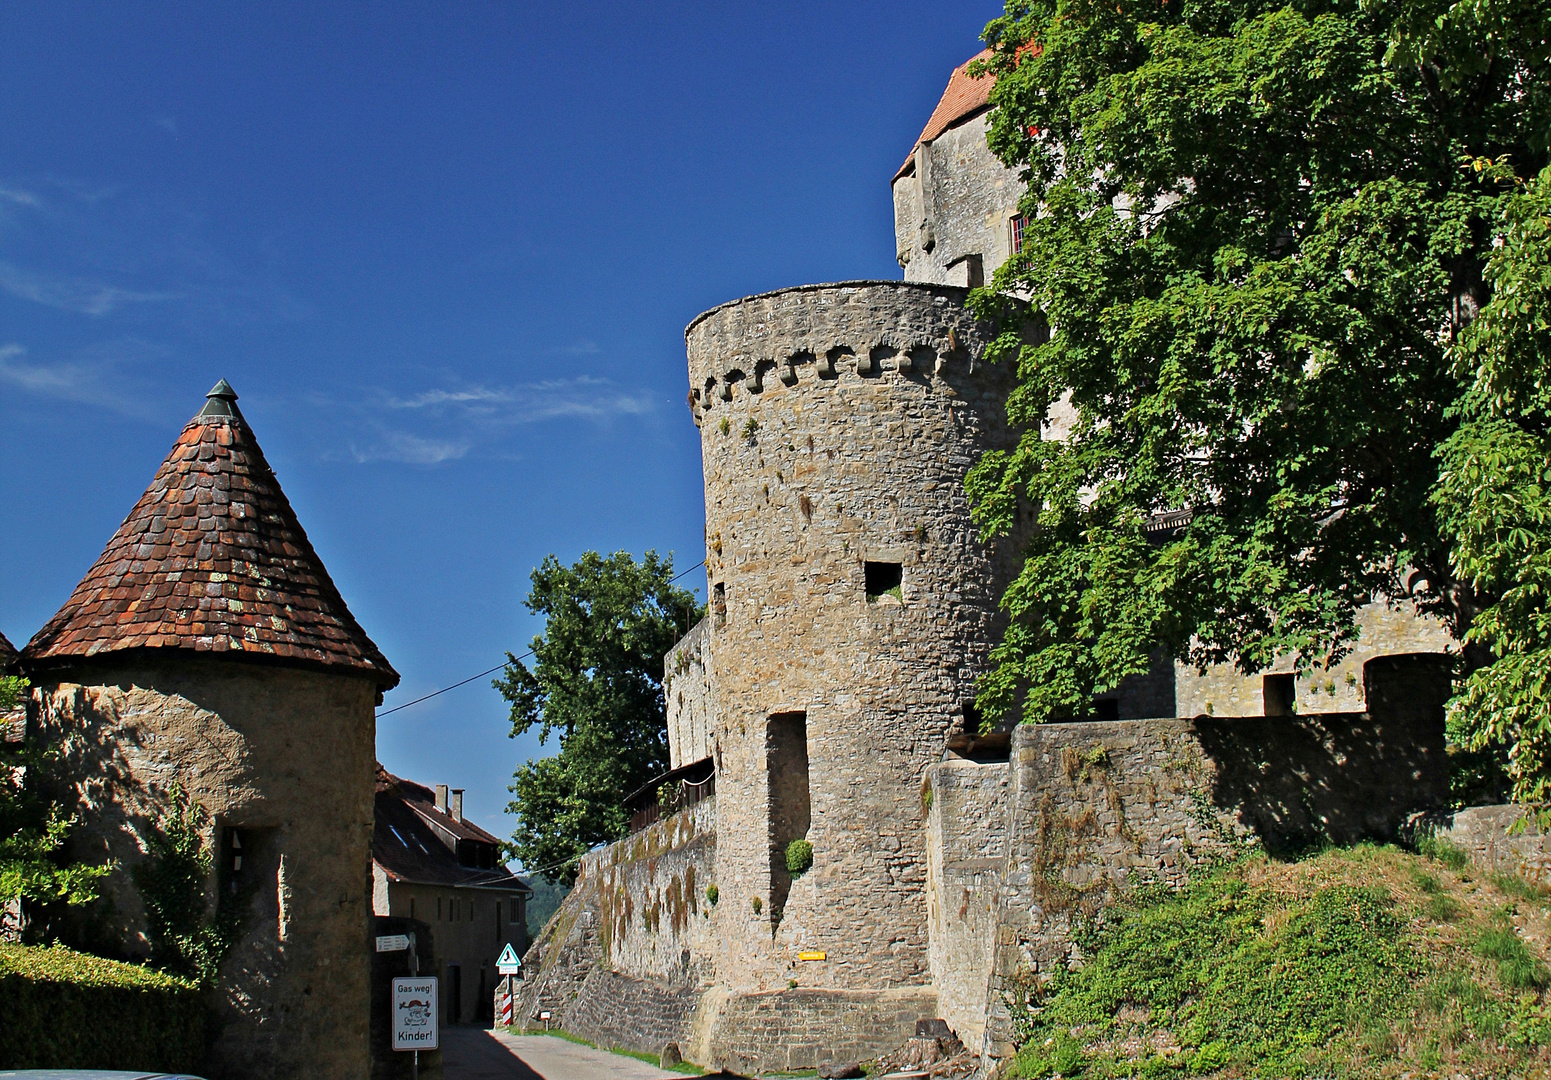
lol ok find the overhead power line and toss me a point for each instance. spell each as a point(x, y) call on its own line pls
point(502, 664)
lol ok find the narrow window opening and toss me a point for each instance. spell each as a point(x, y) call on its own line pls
point(884, 579)
point(972, 719)
point(1280, 693)
point(411, 907)
point(719, 603)
point(786, 764)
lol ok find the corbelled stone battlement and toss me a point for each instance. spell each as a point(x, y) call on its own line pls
point(858, 328)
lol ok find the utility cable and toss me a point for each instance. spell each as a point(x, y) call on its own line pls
point(501, 665)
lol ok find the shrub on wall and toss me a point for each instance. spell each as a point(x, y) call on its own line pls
point(66, 1010)
point(799, 856)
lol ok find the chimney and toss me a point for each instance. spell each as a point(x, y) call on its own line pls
point(441, 797)
point(457, 804)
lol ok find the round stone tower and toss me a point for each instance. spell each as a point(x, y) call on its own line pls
point(853, 606)
point(207, 652)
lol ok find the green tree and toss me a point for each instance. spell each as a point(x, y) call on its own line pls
point(1254, 236)
point(596, 684)
point(33, 829)
point(1494, 496)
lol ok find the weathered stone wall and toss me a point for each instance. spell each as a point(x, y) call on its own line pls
point(784, 1030)
point(955, 200)
point(966, 832)
point(1502, 839)
point(837, 425)
point(286, 753)
point(625, 957)
point(1094, 807)
point(687, 689)
point(1384, 629)
point(613, 1009)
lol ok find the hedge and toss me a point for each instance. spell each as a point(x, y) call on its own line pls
point(65, 1010)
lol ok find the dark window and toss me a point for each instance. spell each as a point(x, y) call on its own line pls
point(971, 719)
point(1281, 695)
point(1106, 709)
point(719, 603)
point(514, 910)
point(884, 579)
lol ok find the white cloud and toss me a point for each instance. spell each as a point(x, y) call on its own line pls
point(409, 449)
point(20, 197)
point(452, 421)
point(92, 383)
point(529, 403)
point(71, 294)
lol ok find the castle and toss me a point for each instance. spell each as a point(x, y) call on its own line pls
point(828, 697)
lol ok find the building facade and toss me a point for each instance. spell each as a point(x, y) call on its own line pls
point(431, 863)
point(207, 656)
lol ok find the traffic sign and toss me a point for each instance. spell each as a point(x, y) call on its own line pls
point(392, 942)
point(415, 1013)
point(508, 963)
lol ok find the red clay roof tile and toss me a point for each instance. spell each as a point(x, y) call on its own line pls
point(213, 524)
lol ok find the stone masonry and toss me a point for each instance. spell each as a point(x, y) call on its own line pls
point(852, 608)
point(837, 423)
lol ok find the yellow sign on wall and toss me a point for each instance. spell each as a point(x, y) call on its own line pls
point(812, 955)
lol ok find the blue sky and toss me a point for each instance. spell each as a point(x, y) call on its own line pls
point(445, 253)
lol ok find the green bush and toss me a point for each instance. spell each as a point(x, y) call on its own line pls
point(1242, 976)
point(799, 856)
point(66, 1010)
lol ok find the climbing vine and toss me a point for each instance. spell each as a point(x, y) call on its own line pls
point(185, 938)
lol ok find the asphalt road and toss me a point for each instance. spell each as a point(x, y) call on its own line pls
point(470, 1053)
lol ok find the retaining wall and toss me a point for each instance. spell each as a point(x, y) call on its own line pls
point(1097, 807)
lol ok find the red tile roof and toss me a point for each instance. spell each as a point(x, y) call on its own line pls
point(413, 841)
point(212, 560)
point(963, 98)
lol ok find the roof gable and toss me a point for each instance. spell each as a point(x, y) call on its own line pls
point(212, 559)
point(410, 840)
point(962, 98)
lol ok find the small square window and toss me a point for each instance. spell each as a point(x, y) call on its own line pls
point(1106, 710)
point(1280, 693)
point(884, 579)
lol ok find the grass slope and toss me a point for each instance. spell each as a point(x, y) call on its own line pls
point(1356, 962)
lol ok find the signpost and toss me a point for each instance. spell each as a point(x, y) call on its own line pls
point(507, 965)
point(416, 1011)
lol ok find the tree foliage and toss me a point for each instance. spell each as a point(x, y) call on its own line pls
point(596, 684)
point(187, 939)
point(1255, 235)
point(1494, 495)
point(33, 829)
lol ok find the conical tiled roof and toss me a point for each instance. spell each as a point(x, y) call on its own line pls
point(212, 560)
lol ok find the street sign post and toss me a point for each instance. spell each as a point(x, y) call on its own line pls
point(508, 962)
point(392, 942)
point(416, 1013)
